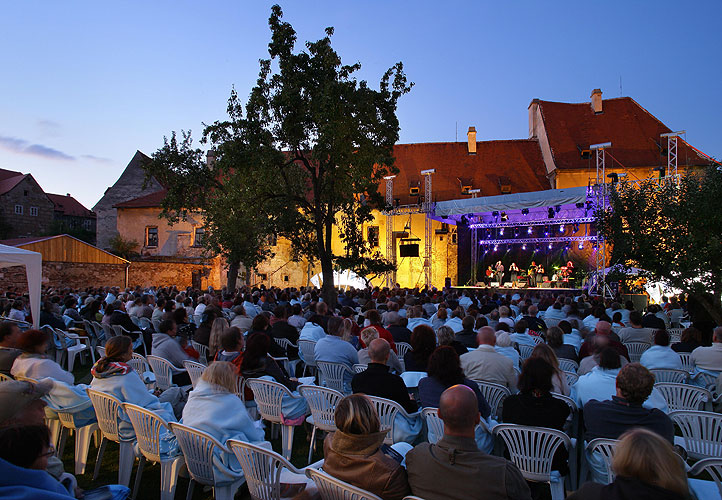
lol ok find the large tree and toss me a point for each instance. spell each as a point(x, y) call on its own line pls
point(672, 231)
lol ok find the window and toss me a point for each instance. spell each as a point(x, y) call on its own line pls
point(25, 192)
point(18, 209)
point(87, 224)
point(198, 235)
point(34, 211)
point(372, 235)
point(151, 236)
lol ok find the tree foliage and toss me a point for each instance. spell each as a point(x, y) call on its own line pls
point(122, 247)
point(672, 231)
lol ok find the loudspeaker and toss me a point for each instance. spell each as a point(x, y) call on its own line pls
point(495, 283)
point(409, 250)
point(508, 284)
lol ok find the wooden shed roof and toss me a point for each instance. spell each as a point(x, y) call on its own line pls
point(65, 248)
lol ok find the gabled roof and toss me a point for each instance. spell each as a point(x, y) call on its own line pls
point(146, 201)
point(69, 206)
point(65, 248)
point(516, 163)
point(9, 179)
point(632, 130)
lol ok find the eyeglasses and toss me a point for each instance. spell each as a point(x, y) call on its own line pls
point(49, 453)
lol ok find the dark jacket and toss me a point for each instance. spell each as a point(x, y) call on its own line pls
point(376, 380)
point(400, 333)
point(566, 351)
point(121, 318)
point(610, 419)
point(467, 338)
point(536, 325)
point(358, 459)
point(267, 366)
point(624, 488)
point(282, 330)
point(412, 365)
point(430, 389)
point(47, 318)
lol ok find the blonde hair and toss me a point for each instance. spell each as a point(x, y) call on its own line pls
point(214, 341)
point(346, 329)
point(355, 414)
point(644, 455)
point(368, 334)
point(222, 374)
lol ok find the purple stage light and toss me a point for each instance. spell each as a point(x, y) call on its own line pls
point(581, 245)
point(550, 246)
point(523, 247)
point(529, 230)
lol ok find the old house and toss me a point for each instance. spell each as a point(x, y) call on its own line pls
point(25, 209)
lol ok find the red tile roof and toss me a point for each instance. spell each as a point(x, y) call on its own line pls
point(632, 130)
point(69, 206)
point(24, 241)
point(517, 163)
point(9, 179)
point(145, 201)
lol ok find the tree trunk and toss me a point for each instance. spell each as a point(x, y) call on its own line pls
point(712, 305)
point(328, 291)
point(233, 267)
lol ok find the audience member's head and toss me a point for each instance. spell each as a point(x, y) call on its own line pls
point(503, 339)
point(259, 324)
point(9, 334)
point(468, 322)
point(486, 336)
point(546, 353)
point(635, 318)
point(661, 337)
point(423, 343)
point(21, 403)
point(335, 326)
point(458, 408)
point(565, 326)
point(444, 365)
point(445, 335)
point(634, 383)
point(392, 318)
point(691, 335)
point(608, 359)
point(373, 316)
point(232, 339)
point(355, 414)
point(555, 336)
point(521, 326)
point(221, 373)
point(368, 334)
point(168, 327)
point(33, 341)
point(536, 375)
point(379, 350)
point(26, 446)
point(603, 328)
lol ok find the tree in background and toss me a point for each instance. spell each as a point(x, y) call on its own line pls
point(673, 232)
point(123, 248)
point(309, 153)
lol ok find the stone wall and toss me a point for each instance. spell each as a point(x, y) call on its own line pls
point(27, 193)
point(180, 274)
point(67, 274)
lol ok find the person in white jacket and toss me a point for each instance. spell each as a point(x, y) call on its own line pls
point(34, 363)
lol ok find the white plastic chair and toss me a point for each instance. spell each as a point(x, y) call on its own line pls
point(687, 363)
point(387, 410)
point(202, 350)
point(331, 488)
point(495, 394)
point(411, 379)
point(705, 380)
point(195, 370)
point(332, 375)
point(605, 448)
point(71, 351)
point(307, 348)
point(197, 320)
point(142, 368)
point(701, 433)
point(713, 467)
point(360, 367)
point(636, 349)
point(568, 365)
point(683, 396)
point(82, 434)
point(268, 396)
point(109, 332)
point(285, 343)
point(322, 401)
point(163, 370)
point(532, 450)
point(436, 425)
point(106, 409)
point(140, 341)
point(525, 351)
point(198, 450)
point(669, 375)
point(148, 427)
point(401, 349)
point(675, 335)
point(4, 378)
point(262, 469)
point(537, 339)
point(101, 351)
point(571, 378)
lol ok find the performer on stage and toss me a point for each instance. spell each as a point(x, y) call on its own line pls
point(499, 273)
point(514, 270)
point(532, 274)
point(539, 275)
point(489, 273)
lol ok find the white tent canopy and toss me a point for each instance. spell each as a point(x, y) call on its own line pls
point(33, 262)
point(344, 278)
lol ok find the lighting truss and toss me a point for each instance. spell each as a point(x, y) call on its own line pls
point(533, 222)
point(552, 239)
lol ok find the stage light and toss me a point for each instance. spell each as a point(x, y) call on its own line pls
point(516, 233)
point(546, 233)
point(529, 230)
point(550, 246)
point(525, 211)
point(504, 217)
point(561, 228)
point(523, 247)
point(496, 248)
point(550, 213)
point(581, 245)
point(501, 231)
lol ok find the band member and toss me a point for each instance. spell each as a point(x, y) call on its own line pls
point(539, 274)
point(532, 274)
point(499, 272)
point(514, 270)
point(489, 273)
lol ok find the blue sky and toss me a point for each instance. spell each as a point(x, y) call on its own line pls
point(86, 83)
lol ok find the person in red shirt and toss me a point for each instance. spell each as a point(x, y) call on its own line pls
point(374, 318)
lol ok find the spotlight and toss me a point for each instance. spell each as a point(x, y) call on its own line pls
point(550, 213)
point(496, 248)
point(525, 211)
point(529, 230)
point(516, 233)
point(501, 231)
point(581, 245)
point(561, 228)
point(550, 246)
point(504, 217)
point(546, 233)
point(523, 247)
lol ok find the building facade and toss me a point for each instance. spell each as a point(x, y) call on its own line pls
point(25, 209)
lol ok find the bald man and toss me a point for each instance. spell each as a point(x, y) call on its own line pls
point(603, 334)
point(487, 365)
point(454, 468)
point(377, 380)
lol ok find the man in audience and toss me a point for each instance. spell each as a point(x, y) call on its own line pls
point(536, 326)
point(710, 358)
point(603, 333)
point(454, 468)
point(297, 320)
point(635, 332)
point(660, 355)
point(241, 320)
point(48, 317)
point(611, 418)
point(167, 347)
point(398, 332)
point(487, 365)
point(467, 336)
point(376, 380)
point(9, 334)
point(334, 349)
point(281, 329)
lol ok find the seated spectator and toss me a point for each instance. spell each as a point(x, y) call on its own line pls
point(691, 339)
point(455, 322)
point(219, 325)
point(34, 362)
point(504, 313)
point(660, 355)
point(559, 380)
point(213, 407)
point(554, 314)
point(17, 311)
point(183, 326)
point(487, 365)
point(233, 344)
point(9, 335)
point(113, 375)
point(241, 320)
point(439, 318)
point(355, 452)
point(467, 336)
point(445, 336)
point(603, 333)
point(399, 332)
point(602, 383)
point(635, 332)
point(555, 340)
point(202, 334)
point(504, 346)
point(281, 329)
point(167, 347)
point(368, 335)
point(571, 335)
point(334, 349)
point(423, 343)
point(374, 320)
point(296, 320)
point(376, 380)
point(535, 406)
point(709, 359)
point(520, 335)
point(47, 317)
point(311, 331)
point(653, 320)
point(415, 317)
point(535, 325)
point(454, 468)
point(597, 344)
point(646, 466)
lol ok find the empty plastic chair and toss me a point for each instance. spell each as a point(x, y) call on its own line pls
point(202, 350)
point(636, 349)
point(683, 396)
point(701, 433)
point(195, 370)
point(495, 394)
point(670, 375)
point(360, 367)
point(568, 365)
point(163, 370)
point(333, 375)
point(322, 402)
point(713, 467)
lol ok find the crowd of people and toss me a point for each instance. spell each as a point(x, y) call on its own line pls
point(452, 340)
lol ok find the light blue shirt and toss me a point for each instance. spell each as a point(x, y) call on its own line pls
point(332, 349)
point(522, 338)
point(601, 385)
point(510, 353)
point(455, 324)
point(662, 357)
point(414, 322)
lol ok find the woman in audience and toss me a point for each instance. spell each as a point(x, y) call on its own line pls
point(184, 328)
point(660, 355)
point(439, 319)
point(107, 313)
point(423, 343)
point(691, 340)
point(555, 340)
point(534, 405)
point(214, 340)
point(369, 334)
point(355, 453)
point(33, 362)
point(202, 334)
point(445, 336)
point(503, 346)
point(112, 374)
point(559, 380)
point(646, 467)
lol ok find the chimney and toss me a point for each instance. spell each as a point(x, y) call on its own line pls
point(67, 194)
point(596, 101)
point(471, 140)
point(210, 158)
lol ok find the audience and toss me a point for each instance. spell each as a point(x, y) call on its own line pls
point(445, 336)
point(555, 340)
point(423, 343)
point(486, 365)
point(233, 345)
point(709, 359)
point(691, 339)
point(334, 349)
point(559, 380)
point(33, 362)
point(660, 355)
point(9, 335)
point(368, 335)
point(635, 332)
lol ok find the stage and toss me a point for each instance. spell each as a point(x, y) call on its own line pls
point(520, 290)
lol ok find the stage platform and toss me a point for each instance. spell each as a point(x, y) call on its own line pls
point(520, 290)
